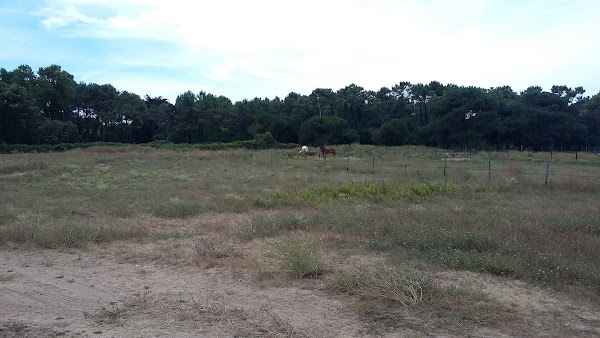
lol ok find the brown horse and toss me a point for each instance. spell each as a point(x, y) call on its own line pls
point(327, 150)
point(310, 153)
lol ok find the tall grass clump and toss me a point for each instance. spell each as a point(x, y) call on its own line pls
point(70, 233)
point(263, 226)
point(394, 285)
point(300, 257)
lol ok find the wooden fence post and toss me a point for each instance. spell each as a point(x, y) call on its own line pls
point(489, 169)
point(547, 170)
point(445, 166)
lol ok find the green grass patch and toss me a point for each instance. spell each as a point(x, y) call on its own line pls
point(178, 208)
point(325, 193)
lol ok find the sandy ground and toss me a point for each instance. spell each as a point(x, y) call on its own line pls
point(48, 293)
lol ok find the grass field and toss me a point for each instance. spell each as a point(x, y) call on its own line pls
point(376, 225)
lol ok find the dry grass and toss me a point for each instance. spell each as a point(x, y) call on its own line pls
point(197, 208)
point(383, 283)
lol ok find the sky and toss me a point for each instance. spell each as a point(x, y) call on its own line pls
point(269, 48)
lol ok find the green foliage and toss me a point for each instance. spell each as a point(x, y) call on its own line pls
point(55, 132)
point(325, 193)
point(393, 133)
point(324, 130)
point(265, 140)
point(300, 257)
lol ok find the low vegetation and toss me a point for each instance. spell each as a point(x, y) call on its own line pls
point(312, 218)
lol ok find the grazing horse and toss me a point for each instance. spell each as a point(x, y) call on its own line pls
point(327, 150)
point(304, 150)
point(310, 153)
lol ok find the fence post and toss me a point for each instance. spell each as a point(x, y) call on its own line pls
point(489, 169)
point(575, 156)
point(547, 169)
point(445, 166)
point(347, 162)
point(404, 164)
point(373, 161)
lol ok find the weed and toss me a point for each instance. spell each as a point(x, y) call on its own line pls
point(178, 208)
point(416, 207)
point(176, 234)
point(325, 193)
point(15, 326)
point(387, 284)
point(111, 315)
point(261, 226)
point(180, 178)
point(212, 248)
point(300, 257)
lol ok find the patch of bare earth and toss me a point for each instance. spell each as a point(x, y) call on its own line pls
point(196, 277)
point(85, 294)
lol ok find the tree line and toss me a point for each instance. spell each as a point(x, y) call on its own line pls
point(50, 107)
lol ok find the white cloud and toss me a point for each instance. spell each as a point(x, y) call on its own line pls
point(317, 43)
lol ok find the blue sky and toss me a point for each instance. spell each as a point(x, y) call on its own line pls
point(268, 48)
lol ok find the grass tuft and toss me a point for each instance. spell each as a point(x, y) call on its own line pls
point(386, 284)
point(263, 227)
point(300, 257)
point(178, 208)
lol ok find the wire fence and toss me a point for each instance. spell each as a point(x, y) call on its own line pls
point(442, 163)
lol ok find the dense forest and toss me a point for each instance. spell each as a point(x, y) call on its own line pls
point(50, 107)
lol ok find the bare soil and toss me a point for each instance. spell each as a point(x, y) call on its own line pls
point(85, 294)
point(46, 293)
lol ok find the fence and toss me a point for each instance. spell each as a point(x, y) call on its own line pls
point(432, 163)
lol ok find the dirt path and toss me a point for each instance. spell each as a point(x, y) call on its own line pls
point(50, 293)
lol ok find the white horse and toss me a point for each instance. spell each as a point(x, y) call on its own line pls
point(304, 150)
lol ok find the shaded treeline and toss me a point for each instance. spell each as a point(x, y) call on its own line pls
point(50, 107)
